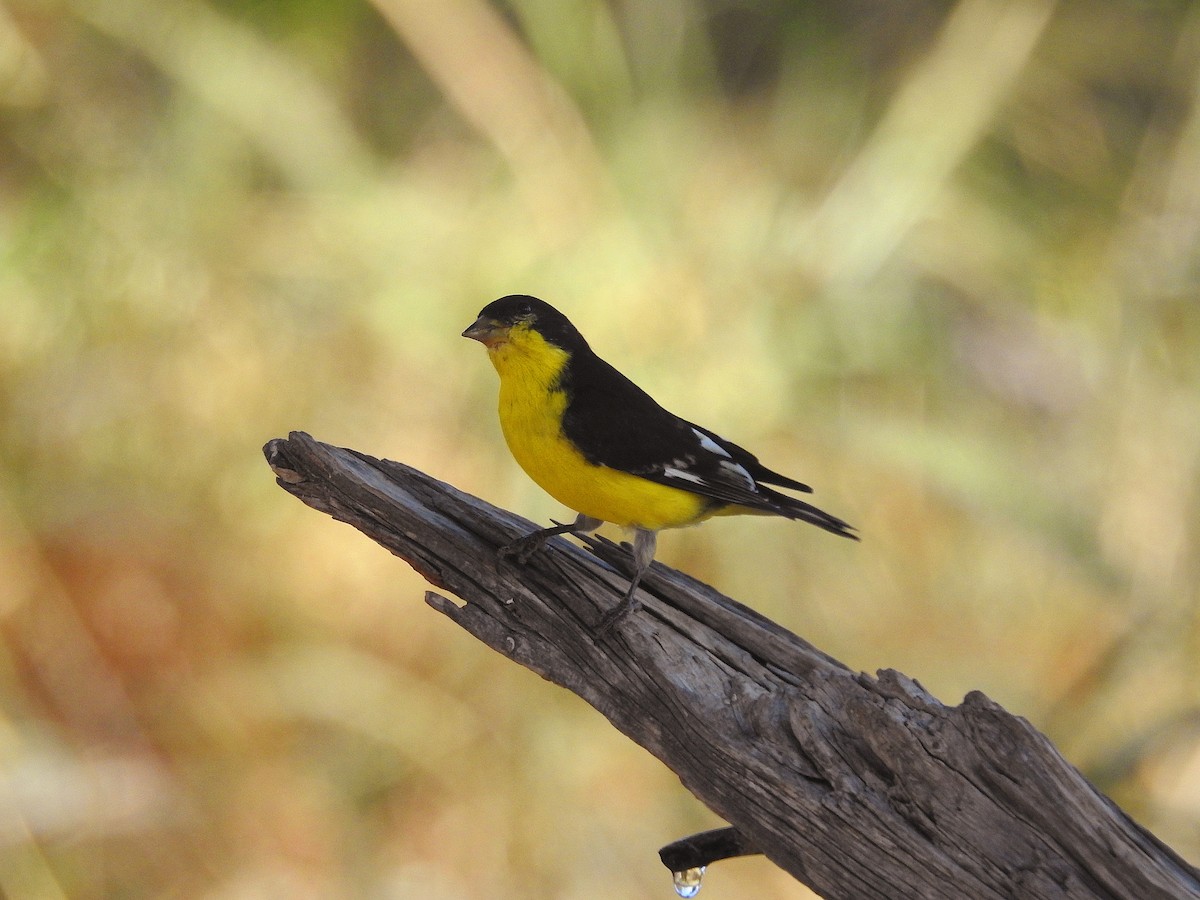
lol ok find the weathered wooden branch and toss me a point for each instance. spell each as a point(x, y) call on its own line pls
point(860, 787)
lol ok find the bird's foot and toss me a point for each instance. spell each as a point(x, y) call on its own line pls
point(523, 548)
point(615, 615)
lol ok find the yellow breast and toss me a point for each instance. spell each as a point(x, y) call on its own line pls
point(531, 410)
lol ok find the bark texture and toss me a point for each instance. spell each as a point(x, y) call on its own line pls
point(859, 786)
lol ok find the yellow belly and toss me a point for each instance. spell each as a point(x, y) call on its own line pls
point(530, 424)
point(530, 412)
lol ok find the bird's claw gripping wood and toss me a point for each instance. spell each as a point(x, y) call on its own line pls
point(627, 607)
point(522, 549)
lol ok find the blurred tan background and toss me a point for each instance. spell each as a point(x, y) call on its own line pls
point(938, 259)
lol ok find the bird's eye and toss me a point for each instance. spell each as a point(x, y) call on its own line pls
point(524, 311)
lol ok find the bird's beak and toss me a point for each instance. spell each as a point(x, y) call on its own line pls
point(487, 331)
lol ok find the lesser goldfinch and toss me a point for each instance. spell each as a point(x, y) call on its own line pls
point(601, 446)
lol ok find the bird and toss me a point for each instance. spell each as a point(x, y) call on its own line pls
point(604, 448)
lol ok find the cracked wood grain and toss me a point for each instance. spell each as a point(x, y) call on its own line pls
point(859, 786)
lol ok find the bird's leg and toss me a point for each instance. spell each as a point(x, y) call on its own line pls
point(644, 543)
point(524, 547)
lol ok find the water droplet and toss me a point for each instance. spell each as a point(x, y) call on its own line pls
point(687, 882)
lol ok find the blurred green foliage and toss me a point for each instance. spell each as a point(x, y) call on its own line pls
point(938, 259)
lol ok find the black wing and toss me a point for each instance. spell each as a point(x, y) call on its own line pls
point(615, 423)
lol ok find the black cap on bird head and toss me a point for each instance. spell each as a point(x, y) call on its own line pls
point(521, 309)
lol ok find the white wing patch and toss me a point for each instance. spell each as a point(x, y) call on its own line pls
point(738, 471)
point(682, 475)
point(710, 445)
point(729, 472)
